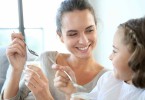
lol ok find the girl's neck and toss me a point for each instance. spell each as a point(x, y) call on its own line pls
point(128, 82)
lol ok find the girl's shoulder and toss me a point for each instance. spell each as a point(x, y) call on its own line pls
point(108, 76)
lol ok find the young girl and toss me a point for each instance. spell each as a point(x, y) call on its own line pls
point(127, 80)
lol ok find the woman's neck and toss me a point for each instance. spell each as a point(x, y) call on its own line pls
point(81, 63)
point(78, 63)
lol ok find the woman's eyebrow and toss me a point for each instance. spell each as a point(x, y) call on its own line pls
point(77, 31)
point(71, 31)
point(90, 26)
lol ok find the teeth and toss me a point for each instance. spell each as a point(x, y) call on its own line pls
point(83, 48)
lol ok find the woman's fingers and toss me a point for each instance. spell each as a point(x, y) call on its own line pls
point(60, 71)
point(11, 50)
point(20, 42)
point(37, 70)
point(17, 35)
point(60, 80)
point(70, 72)
point(35, 76)
point(57, 67)
point(36, 89)
point(17, 46)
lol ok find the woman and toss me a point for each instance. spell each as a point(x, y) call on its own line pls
point(76, 28)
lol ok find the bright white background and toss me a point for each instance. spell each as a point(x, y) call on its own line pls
point(41, 14)
point(110, 14)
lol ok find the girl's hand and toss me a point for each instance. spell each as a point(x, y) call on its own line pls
point(61, 80)
point(37, 82)
point(16, 52)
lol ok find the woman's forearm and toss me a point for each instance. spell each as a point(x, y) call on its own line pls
point(67, 97)
point(46, 96)
point(12, 86)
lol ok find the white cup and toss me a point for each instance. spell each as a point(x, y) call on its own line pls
point(35, 63)
point(80, 96)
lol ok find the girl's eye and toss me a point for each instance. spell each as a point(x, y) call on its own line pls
point(114, 51)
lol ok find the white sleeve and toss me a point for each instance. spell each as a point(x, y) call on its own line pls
point(95, 92)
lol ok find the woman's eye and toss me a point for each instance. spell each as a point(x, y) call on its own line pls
point(72, 34)
point(91, 30)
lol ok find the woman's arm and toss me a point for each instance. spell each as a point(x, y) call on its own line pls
point(16, 53)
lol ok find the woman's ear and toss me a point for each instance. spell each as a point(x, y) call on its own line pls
point(60, 36)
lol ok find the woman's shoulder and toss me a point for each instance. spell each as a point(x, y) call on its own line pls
point(49, 53)
point(52, 54)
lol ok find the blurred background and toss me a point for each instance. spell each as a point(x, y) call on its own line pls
point(36, 20)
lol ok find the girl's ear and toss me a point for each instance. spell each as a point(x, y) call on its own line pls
point(60, 36)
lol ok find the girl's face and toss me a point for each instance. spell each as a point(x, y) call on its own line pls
point(120, 57)
point(79, 32)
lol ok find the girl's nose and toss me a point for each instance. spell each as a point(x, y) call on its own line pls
point(110, 57)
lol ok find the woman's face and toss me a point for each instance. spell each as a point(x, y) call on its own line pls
point(79, 32)
point(120, 57)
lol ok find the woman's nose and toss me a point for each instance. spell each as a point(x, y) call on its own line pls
point(83, 39)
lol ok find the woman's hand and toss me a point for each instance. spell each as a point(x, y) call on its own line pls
point(61, 81)
point(37, 82)
point(16, 52)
